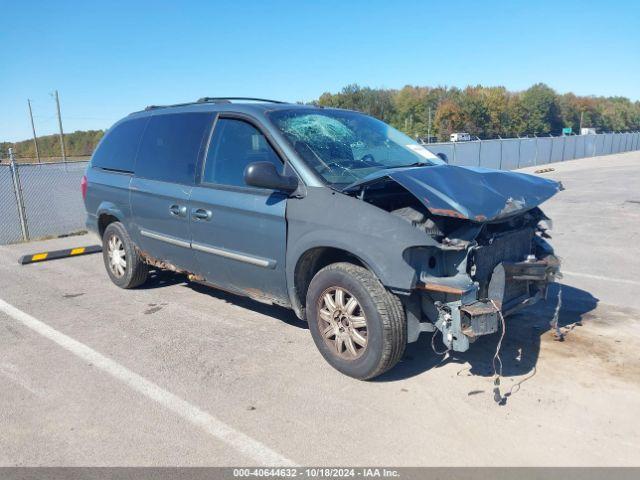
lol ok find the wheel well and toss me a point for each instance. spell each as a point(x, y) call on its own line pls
point(103, 222)
point(311, 262)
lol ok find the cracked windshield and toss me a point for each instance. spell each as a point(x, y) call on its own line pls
point(345, 147)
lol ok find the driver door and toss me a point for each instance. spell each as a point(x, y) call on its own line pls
point(239, 232)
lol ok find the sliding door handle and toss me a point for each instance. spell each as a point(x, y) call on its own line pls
point(178, 210)
point(201, 214)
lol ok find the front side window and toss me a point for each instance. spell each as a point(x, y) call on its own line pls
point(234, 145)
point(345, 147)
point(170, 147)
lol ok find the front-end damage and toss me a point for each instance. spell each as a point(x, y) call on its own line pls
point(491, 252)
point(505, 268)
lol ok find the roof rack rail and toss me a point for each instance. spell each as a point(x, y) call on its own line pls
point(153, 107)
point(228, 99)
point(213, 100)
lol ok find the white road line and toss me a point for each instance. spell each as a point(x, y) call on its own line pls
point(600, 277)
point(242, 443)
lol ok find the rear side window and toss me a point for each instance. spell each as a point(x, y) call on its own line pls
point(234, 145)
point(117, 151)
point(171, 145)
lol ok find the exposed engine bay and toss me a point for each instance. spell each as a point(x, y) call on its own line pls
point(497, 260)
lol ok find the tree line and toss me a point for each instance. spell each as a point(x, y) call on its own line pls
point(486, 112)
point(77, 144)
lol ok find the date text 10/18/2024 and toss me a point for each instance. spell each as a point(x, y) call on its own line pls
point(319, 472)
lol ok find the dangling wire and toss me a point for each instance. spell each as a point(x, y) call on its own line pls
point(555, 321)
point(497, 371)
point(496, 356)
point(433, 345)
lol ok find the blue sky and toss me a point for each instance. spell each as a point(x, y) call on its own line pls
point(109, 58)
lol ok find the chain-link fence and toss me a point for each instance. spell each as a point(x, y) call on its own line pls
point(54, 159)
point(10, 227)
point(512, 153)
point(52, 199)
point(40, 200)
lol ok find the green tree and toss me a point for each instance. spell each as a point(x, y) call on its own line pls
point(541, 110)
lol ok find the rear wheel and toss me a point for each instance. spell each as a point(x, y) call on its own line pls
point(121, 259)
point(356, 323)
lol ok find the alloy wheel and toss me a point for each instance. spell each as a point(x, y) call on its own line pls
point(117, 256)
point(342, 323)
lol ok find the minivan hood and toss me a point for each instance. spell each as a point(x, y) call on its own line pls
point(473, 193)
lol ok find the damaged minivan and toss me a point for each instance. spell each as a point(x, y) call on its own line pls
point(360, 230)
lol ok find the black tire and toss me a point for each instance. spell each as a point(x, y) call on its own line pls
point(386, 326)
point(135, 272)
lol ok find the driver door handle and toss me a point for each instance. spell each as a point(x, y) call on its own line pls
point(201, 214)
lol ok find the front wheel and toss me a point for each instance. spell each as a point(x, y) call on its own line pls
point(357, 324)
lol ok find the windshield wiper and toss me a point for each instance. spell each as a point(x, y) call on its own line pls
point(415, 164)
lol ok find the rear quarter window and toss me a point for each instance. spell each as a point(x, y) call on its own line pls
point(171, 146)
point(117, 151)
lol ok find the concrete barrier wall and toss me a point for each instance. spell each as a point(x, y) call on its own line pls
point(512, 153)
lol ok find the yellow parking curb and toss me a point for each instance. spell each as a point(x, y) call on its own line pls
point(56, 254)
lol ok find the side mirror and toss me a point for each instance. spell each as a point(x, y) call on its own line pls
point(443, 157)
point(265, 175)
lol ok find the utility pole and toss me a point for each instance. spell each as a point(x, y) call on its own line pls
point(33, 129)
point(581, 115)
point(429, 127)
point(64, 153)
